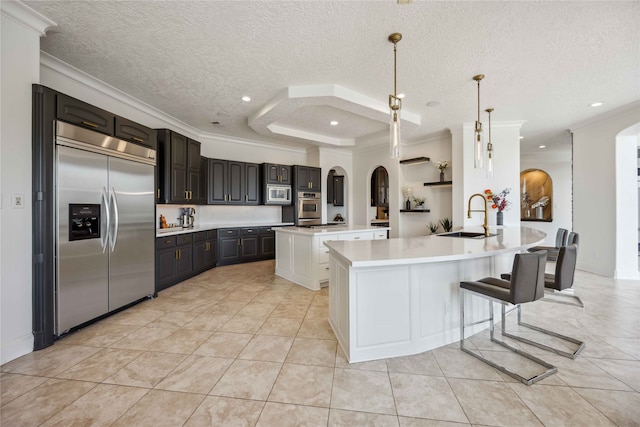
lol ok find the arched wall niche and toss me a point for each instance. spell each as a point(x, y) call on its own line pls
point(536, 196)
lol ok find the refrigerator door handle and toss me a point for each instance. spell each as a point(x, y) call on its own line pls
point(114, 234)
point(105, 235)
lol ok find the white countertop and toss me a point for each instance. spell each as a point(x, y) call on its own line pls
point(433, 248)
point(161, 232)
point(333, 229)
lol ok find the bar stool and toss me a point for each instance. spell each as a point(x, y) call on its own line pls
point(527, 286)
point(552, 251)
point(555, 283)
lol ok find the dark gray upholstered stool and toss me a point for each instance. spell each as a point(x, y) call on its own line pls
point(560, 281)
point(527, 286)
point(552, 251)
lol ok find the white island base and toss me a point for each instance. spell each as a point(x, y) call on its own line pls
point(397, 297)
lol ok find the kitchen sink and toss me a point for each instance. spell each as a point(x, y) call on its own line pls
point(466, 234)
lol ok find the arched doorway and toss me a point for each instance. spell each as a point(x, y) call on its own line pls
point(380, 193)
point(337, 195)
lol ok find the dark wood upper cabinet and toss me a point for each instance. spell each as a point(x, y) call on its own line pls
point(233, 183)
point(132, 131)
point(179, 167)
point(82, 114)
point(308, 178)
point(252, 183)
point(338, 190)
point(277, 174)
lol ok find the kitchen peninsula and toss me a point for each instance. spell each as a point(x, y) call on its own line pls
point(398, 297)
point(301, 256)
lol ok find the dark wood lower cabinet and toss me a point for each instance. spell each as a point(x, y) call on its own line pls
point(181, 256)
point(174, 260)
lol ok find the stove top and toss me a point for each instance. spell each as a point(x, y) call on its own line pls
point(333, 224)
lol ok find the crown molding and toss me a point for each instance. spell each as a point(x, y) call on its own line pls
point(85, 79)
point(606, 115)
point(24, 15)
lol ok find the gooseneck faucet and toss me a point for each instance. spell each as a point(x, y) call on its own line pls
point(485, 225)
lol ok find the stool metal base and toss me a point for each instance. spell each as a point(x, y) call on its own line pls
point(549, 369)
point(573, 355)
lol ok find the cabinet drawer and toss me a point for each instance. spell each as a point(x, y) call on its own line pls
point(82, 114)
point(357, 236)
point(165, 242)
point(249, 231)
point(323, 272)
point(323, 239)
point(184, 239)
point(228, 232)
point(323, 254)
point(266, 230)
point(212, 234)
point(382, 234)
point(200, 236)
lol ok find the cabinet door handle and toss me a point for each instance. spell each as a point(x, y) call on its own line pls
point(246, 197)
point(93, 125)
point(239, 241)
point(355, 238)
point(186, 195)
point(135, 138)
point(177, 256)
point(158, 193)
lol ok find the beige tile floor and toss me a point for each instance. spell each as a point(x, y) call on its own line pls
point(238, 346)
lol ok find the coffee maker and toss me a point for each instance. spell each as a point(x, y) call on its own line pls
point(187, 218)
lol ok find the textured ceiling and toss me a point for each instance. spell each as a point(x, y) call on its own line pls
point(544, 62)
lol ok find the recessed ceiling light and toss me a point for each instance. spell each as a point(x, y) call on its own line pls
point(521, 137)
point(401, 95)
point(433, 104)
point(542, 146)
point(334, 123)
point(246, 98)
point(595, 104)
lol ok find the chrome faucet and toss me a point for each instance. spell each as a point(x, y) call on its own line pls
point(485, 225)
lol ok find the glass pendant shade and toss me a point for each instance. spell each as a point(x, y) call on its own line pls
point(394, 126)
point(489, 160)
point(489, 148)
point(478, 149)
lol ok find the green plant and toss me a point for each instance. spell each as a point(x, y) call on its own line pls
point(433, 227)
point(446, 224)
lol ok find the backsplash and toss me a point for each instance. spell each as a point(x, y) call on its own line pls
point(228, 215)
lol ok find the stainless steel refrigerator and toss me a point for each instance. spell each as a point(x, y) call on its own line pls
point(106, 224)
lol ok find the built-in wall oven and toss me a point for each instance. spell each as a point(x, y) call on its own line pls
point(309, 208)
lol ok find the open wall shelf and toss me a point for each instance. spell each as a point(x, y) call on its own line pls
point(414, 160)
point(439, 184)
point(416, 210)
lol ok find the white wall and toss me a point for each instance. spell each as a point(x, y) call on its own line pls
point(627, 206)
point(558, 167)
point(20, 38)
point(327, 159)
point(468, 181)
point(438, 199)
point(594, 193)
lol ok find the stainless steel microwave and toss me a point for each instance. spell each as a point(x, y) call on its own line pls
point(278, 194)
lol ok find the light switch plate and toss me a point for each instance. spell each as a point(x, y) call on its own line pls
point(17, 201)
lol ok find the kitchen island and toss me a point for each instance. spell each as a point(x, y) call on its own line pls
point(301, 256)
point(397, 297)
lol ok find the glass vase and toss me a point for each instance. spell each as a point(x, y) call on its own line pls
point(499, 218)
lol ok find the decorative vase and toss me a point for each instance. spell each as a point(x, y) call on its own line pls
point(408, 205)
point(442, 176)
point(539, 212)
point(499, 218)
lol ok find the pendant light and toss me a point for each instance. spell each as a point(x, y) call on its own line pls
point(395, 104)
point(478, 155)
point(489, 148)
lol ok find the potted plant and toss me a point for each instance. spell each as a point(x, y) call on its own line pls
point(433, 227)
point(442, 165)
point(499, 201)
point(419, 202)
point(446, 224)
